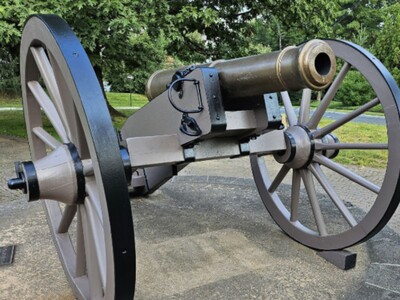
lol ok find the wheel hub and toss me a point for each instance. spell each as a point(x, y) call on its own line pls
point(330, 138)
point(299, 148)
point(57, 176)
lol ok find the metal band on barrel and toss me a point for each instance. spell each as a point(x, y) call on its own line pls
point(278, 66)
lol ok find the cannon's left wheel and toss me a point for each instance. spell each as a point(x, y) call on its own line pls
point(64, 105)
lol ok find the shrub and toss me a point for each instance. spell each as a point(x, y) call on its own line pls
point(9, 78)
point(355, 90)
point(396, 74)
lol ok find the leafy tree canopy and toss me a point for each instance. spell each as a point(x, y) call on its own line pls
point(134, 38)
point(387, 46)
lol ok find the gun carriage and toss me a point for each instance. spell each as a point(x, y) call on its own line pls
point(84, 171)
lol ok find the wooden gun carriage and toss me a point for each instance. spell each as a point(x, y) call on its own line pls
point(85, 171)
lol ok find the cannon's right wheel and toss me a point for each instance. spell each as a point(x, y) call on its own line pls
point(64, 109)
point(327, 204)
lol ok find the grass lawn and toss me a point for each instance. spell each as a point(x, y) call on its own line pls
point(138, 100)
point(361, 133)
point(12, 124)
point(338, 107)
point(10, 102)
point(125, 99)
point(115, 99)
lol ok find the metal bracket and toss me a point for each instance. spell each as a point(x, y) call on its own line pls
point(273, 111)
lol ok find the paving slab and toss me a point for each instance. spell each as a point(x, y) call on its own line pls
point(203, 235)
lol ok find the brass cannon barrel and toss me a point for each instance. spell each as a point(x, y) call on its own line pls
point(311, 65)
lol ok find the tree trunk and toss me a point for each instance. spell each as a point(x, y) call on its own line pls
point(112, 110)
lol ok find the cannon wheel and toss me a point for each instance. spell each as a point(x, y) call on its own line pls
point(310, 158)
point(94, 239)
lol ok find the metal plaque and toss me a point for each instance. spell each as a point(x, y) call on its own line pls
point(6, 255)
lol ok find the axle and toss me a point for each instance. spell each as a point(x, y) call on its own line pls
point(311, 65)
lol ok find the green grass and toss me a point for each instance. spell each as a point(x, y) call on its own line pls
point(119, 121)
point(361, 133)
point(338, 107)
point(125, 99)
point(138, 100)
point(12, 124)
point(115, 99)
point(10, 102)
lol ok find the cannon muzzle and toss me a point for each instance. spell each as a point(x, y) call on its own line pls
point(311, 65)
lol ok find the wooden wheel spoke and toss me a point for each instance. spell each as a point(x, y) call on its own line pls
point(278, 179)
point(67, 217)
point(312, 196)
point(93, 196)
point(95, 221)
point(91, 256)
point(355, 146)
point(290, 113)
point(80, 248)
point(46, 71)
point(49, 109)
point(304, 112)
point(96, 228)
point(49, 78)
point(350, 116)
point(346, 173)
point(295, 195)
point(46, 138)
point(326, 100)
point(323, 180)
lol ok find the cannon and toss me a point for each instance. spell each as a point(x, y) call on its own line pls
point(84, 171)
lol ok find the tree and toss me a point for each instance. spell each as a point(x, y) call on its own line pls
point(387, 46)
point(224, 29)
point(116, 37)
point(360, 21)
point(134, 37)
point(13, 14)
point(113, 33)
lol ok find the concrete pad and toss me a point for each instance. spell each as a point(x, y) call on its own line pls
point(204, 235)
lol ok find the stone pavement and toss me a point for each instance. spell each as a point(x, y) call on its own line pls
point(203, 235)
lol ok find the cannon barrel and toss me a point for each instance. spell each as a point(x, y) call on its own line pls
point(311, 65)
